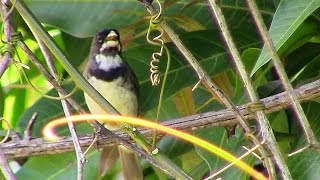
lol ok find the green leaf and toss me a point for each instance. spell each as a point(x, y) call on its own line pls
point(234, 145)
point(76, 48)
point(250, 56)
point(206, 46)
point(286, 21)
point(58, 166)
point(187, 23)
point(16, 100)
point(306, 165)
point(280, 127)
point(48, 109)
point(85, 18)
point(303, 64)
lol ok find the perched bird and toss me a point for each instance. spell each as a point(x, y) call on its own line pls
point(114, 79)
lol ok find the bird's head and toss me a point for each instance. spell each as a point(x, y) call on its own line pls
point(109, 41)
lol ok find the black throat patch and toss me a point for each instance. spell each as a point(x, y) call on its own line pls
point(109, 75)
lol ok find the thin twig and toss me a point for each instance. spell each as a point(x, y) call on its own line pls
point(79, 154)
point(264, 124)
point(28, 130)
point(8, 29)
point(249, 151)
point(5, 168)
point(5, 62)
point(311, 138)
point(66, 108)
point(48, 76)
point(36, 147)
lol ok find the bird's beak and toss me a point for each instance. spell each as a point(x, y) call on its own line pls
point(112, 40)
point(112, 36)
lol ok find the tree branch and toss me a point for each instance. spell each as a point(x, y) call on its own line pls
point(66, 108)
point(8, 29)
point(283, 77)
point(5, 168)
point(35, 147)
point(262, 120)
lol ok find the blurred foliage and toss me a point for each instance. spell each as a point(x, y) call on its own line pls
point(294, 27)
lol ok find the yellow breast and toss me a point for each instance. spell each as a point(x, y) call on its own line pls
point(121, 98)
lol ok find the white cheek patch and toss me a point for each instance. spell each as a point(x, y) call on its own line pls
point(108, 62)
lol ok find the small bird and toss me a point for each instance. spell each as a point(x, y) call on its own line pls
point(114, 79)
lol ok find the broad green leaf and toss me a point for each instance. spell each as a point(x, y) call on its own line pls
point(191, 161)
point(58, 166)
point(48, 109)
point(223, 81)
point(76, 48)
point(16, 100)
point(187, 23)
point(280, 127)
point(184, 102)
point(169, 2)
point(303, 64)
point(306, 165)
point(249, 57)
point(83, 18)
point(287, 19)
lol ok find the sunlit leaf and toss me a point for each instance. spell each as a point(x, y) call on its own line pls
point(287, 19)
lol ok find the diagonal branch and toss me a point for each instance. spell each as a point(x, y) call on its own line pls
point(66, 108)
point(8, 30)
point(261, 117)
point(214, 89)
point(302, 119)
point(36, 147)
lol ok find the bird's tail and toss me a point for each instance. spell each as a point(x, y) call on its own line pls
point(130, 164)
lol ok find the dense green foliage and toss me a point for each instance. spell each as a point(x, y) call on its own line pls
point(294, 27)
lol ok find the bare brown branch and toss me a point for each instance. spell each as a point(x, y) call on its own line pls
point(23, 148)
